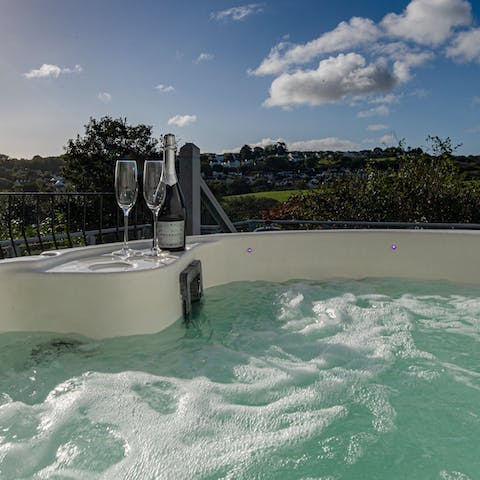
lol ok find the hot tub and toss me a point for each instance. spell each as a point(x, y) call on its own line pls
point(86, 291)
point(331, 354)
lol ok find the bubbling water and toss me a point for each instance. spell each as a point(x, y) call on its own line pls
point(301, 380)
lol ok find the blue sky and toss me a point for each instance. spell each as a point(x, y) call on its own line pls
point(317, 74)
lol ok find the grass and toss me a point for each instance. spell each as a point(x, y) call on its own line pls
point(279, 195)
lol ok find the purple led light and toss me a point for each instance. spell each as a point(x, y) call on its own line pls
point(394, 247)
point(249, 249)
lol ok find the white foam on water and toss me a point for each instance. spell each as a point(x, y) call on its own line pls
point(193, 432)
point(456, 313)
point(375, 399)
point(315, 368)
point(466, 376)
point(356, 446)
point(453, 475)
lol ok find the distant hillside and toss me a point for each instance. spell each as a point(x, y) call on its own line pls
point(234, 173)
point(33, 174)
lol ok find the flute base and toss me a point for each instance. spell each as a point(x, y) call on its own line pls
point(156, 254)
point(127, 253)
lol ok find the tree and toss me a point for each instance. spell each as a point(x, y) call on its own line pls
point(310, 163)
point(246, 153)
point(277, 148)
point(274, 164)
point(282, 148)
point(442, 146)
point(258, 152)
point(205, 166)
point(90, 160)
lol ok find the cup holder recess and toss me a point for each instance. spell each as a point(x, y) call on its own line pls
point(111, 266)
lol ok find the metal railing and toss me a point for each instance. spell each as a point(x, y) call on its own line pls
point(253, 225)
point(32, 222)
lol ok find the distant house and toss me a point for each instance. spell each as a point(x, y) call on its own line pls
point(232, 163)
point(58, 182)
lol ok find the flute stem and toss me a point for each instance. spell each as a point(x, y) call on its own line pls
point(125, 231)
point(155, 248)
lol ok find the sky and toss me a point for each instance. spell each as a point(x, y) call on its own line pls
point(317, 74)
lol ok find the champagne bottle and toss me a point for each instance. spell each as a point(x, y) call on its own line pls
point(171, 219)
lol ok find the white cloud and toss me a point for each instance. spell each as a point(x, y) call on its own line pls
point(75, 69)
point(402, 67)
point(476, 100)
point(391, 50)
point(237, 13)
point(387, 140)
point(419, 93)
point(465, 46)
point(356, 32)
point(428, 22)
point(377, 127)
point(404, 57)
point(46, 70)
point(165, 88)
point(104, 97)
point(54, 71)
point(204, 57)
point(264, 142)
point(334, 79)
point(328, 143)
point(380, 111)
point(182, 120)
point(274, 63)
point(388, 99)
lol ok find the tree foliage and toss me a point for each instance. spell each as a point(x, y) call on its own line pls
point(246, 153)
point(277, 148)
point(423, 188)
point(273, 164)
point(90, 159)
point(244, 208)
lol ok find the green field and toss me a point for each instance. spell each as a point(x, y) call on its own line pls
point(279, 195)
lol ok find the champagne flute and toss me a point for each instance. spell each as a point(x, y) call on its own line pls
point(154, 189)
point(126, 190)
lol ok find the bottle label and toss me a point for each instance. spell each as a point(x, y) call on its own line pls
point(170, 234)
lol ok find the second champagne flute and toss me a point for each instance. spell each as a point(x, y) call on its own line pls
point(154, 190)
